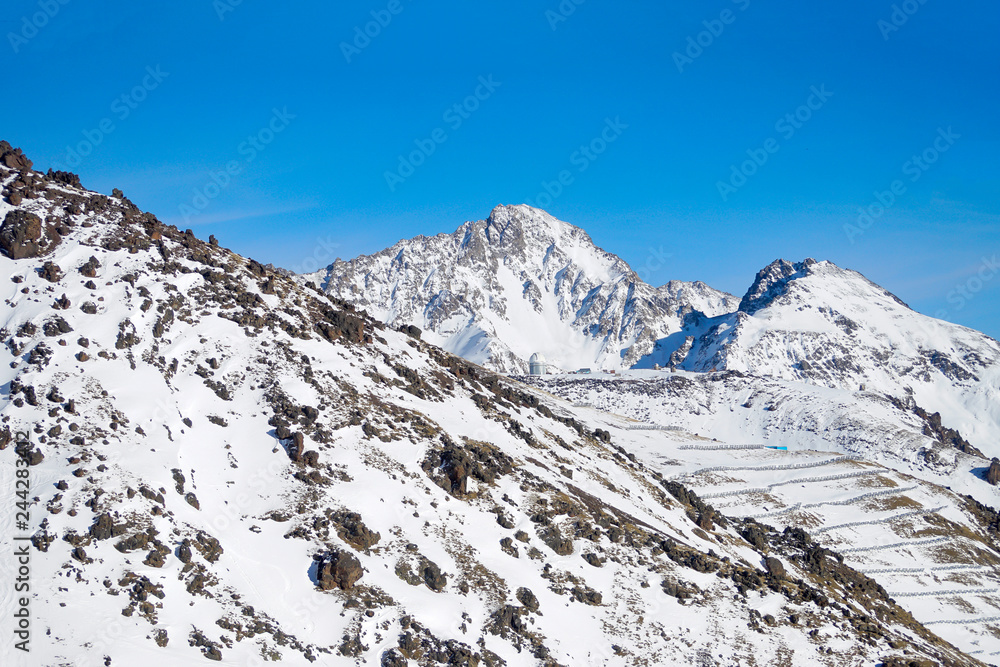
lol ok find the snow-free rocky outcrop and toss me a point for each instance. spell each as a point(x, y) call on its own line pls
point(498, 290)
point(227, 465)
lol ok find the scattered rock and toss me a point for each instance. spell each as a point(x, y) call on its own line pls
point(433, 577)
point(339, 569)
point(14, 158)
point(993, 473)
point(21, 235)
point(90, 270)
point(527, 598)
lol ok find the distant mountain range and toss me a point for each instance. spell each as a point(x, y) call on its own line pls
point(498, 290)
point(218, 461)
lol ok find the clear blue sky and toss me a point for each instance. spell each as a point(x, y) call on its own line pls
point(317, 187)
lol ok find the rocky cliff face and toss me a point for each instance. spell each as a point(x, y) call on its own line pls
point(224, 464)
point(498, 290)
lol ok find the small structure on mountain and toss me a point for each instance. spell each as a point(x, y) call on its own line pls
point(536, 364)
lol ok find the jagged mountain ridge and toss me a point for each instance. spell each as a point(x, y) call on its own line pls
point(520, 282)
point(230, 466)
point(817, 323)
point(498, 290)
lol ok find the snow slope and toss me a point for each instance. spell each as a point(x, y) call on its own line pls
point(228, 465)
point(898, 506)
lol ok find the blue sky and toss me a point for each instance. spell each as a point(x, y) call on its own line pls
point(734, 132)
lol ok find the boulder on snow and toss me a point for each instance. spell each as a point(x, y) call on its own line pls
point(21, 234)
point(774, 567)
point(339, 569)
point(993, 473)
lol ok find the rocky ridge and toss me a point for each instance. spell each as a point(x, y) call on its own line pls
point(229, 465)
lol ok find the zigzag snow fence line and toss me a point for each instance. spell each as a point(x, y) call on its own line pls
point(847, 501)
point(917, 570)
point(896, 545)
point(787, 466)
point(715, 448)
point(884, 519)
point(965, 621)
point(652, 427)
point(957, 591)
point(802, 480)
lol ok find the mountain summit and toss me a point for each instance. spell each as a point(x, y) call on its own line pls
point(223, 464)
point(521, 282)
point(498, 290)
point(818, 323)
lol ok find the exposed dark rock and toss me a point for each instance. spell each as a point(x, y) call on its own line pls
point(353, 530)
point(21, 235)
point(993, 473)
point(433, 577)
point(14, 158)
point(90, 270)
point(339, 569)
point(65, 178)
point(774, 567)
point(527, 598)
point(51, 272)
point(104, 528)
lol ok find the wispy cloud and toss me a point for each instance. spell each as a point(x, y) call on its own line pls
point(224, 216)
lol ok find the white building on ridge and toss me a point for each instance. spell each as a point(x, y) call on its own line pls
point(536, 364)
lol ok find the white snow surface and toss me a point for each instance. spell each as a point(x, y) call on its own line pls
point(167, 406)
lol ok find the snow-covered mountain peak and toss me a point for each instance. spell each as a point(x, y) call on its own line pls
point(824, 281)
point(519, 282)
point(816, 322)
point(772, 281)
point(225, 464)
